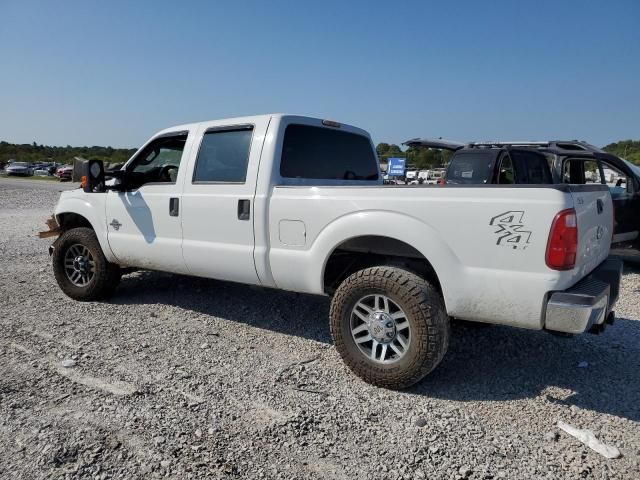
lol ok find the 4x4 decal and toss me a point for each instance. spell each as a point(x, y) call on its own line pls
point(510, 230)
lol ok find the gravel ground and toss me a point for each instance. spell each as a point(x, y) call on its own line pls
point(187, 378)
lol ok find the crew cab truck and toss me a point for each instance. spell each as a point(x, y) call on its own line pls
point(297, 203)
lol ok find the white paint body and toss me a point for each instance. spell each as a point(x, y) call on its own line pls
point(296, 224)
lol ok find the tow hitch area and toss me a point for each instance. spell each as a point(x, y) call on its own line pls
point(599, 328)
point(588, 305)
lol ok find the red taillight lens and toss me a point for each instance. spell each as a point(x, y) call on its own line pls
point(563, 241)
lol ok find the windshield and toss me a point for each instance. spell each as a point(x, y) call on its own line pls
point(470, 168)
point(19, 164)
point(634, 168)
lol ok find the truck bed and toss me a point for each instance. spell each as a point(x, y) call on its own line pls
point(479, 239)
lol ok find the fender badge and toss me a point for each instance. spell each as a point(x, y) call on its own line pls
point(115, 224)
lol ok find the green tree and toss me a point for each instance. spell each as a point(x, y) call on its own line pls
point(382, 148)
point(627, 149)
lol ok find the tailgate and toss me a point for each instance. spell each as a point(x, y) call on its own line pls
point(594, 211)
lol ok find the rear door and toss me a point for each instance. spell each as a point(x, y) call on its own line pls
point(626, 199)
point(218, 200)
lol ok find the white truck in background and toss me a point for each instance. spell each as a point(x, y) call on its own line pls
point(297, 203)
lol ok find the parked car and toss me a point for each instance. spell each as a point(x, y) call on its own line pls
point(41, 172)
point(64, 173)
point(297, 203)
point(22, 169)
point(475, 163)
point(435, 176)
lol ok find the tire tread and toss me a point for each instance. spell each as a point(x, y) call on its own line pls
point(421, 301)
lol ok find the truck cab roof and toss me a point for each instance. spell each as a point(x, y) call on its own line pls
point(254, 119)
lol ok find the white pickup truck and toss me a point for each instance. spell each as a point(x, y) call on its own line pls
point(297, 203)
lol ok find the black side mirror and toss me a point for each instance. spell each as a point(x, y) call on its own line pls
point(91, 173)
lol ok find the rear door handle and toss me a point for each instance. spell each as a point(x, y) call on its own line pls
point(244, 209)
point(174, 207)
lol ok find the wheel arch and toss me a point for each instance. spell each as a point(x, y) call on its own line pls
point(69, 220)
point(79, 212)
point(364, 251)
point(401, 237)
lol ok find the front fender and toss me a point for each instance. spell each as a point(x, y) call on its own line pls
point(91, 206)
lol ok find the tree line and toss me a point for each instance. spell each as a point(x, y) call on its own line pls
point(426, 158)
point(627, 149)
point(32, 152)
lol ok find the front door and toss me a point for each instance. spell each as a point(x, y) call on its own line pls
point(218, 198)
point(144, 222)
point(626, 201)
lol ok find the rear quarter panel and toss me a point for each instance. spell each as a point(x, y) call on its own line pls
point(486, 244)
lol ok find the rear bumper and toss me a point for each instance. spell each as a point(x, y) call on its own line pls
point(588, 304)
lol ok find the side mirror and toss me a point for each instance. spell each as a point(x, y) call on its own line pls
point(91, 173)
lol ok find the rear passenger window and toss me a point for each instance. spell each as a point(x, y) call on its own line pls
point(323, 153)
point(579, 171)
point(223, 156)
point(531, 167)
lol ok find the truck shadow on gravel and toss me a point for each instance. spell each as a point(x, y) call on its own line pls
point(506, 364)
point(482, 364)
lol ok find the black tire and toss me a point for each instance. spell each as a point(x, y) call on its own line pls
point(106, 276)
point(424, 309)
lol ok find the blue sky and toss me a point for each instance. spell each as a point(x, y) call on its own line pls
point(113, 73)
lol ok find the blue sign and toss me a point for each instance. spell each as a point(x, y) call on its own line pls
point(396, 166)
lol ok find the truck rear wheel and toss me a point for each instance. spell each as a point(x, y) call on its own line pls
point(80, 267)
point(389, 325)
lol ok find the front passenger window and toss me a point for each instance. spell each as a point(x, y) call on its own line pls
point(158, 162)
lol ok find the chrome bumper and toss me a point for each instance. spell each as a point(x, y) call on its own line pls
point(588, 304)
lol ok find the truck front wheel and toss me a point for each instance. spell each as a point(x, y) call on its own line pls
point(389, 325)
point(80, 267)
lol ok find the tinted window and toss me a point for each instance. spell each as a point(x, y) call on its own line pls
point(323, 153)
point(223, 156)
point(506, 171)
point(531, 167)
point(470, 168)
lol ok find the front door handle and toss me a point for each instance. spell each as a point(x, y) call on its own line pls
point(244, 209)
point(174, 207)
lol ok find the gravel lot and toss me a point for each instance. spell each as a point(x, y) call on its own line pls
point(186, 378)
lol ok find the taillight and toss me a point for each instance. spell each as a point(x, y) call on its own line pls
point(563, 241)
